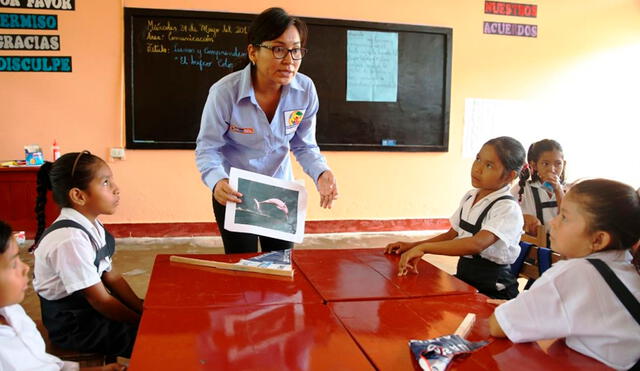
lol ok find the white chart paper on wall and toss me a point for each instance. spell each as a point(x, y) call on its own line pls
point(485, 119)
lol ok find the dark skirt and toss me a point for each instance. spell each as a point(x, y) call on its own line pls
point(73, 324)
point(484, 274)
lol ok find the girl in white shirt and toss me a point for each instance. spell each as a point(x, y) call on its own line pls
point(599, 219)
point(486, 227)
point(21, 345)
point(541, 186)
point(86, 306)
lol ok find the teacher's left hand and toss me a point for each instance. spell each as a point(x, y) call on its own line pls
point(327, 188)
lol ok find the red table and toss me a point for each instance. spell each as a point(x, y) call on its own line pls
point(383, 328)
point(266, 337)
point(180, 285)
point(365, 274)
point(199, 318)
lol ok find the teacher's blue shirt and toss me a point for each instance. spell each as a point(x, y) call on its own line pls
point(234, 130)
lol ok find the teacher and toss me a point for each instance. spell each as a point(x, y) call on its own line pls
point(255, 116)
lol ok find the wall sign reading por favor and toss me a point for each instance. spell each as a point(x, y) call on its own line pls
point(39, 4)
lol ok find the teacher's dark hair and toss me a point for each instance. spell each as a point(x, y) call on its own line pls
point(272, 23)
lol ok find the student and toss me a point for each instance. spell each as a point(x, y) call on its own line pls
point(486, 227)
point(21, 345)
point(86, 306)
point(253, 118)
point(541, 185)
point(599, 219)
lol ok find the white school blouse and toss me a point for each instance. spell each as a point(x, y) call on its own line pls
point(528, 203)
point(571, 300)
point(504, 220)
point(22, 346)
point(64, 258)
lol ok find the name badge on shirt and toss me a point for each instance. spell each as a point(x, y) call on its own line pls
point(239, 130)
point(292, 119)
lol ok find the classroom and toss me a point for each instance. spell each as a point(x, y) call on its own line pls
point(529, 70)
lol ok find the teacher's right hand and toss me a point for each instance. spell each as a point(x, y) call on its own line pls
point(224, 193)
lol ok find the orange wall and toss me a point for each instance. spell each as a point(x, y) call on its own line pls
point(84, 109)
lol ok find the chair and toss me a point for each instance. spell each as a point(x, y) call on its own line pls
point(84, 359)
point(535, 258)
point(540, 239)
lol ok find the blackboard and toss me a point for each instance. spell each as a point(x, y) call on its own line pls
point(172, 58)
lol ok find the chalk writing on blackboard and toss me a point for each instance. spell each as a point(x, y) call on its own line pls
point(372, 66)
point(194, 44)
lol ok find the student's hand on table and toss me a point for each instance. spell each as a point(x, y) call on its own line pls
point(531, 224)
point(398, 247)
point(327, 188)
point(224, 193)
point(496, 301)
point(409, 261)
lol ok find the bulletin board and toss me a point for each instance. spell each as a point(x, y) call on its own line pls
point(172, 57)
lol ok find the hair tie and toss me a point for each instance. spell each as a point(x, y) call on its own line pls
point(526, 166)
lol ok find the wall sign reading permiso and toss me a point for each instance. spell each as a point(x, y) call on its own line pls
point(173, 57)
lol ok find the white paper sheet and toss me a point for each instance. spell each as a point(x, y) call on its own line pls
point(485, 119)
point(270, 207)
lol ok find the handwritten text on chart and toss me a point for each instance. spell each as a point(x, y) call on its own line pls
point(372, 66)
point(185, 41)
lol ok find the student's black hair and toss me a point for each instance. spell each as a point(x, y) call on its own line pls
point(71, 170)
point(269, 25)
point(5, 236)
point(612, 207)
point(510, 152)
point(533, 155)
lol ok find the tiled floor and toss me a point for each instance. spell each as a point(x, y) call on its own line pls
point(134, 257)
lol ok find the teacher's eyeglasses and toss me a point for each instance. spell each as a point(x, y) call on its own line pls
point(279, 52)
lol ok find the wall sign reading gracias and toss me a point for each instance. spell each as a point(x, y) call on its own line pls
point(29, 42)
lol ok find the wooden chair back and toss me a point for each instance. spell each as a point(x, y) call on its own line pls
point(540, 239)
point(531, 266)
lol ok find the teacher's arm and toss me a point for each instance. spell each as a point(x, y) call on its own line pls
point(306, 150)
point(209, 158)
